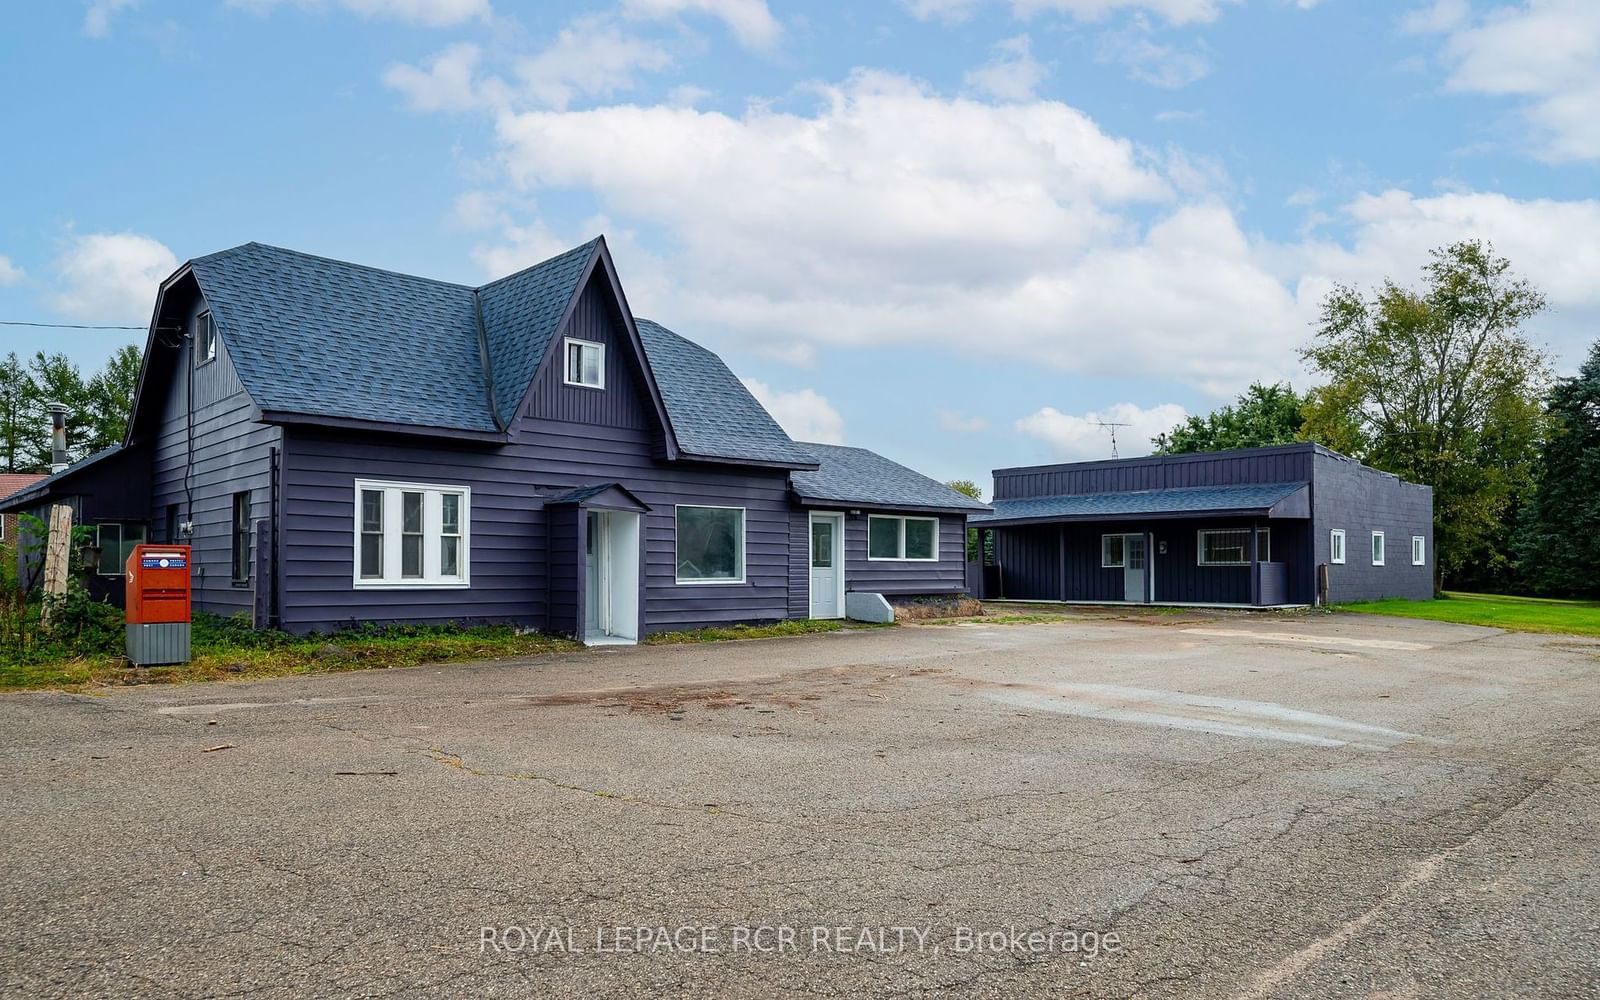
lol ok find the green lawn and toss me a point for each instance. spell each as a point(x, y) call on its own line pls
point(1518, 614)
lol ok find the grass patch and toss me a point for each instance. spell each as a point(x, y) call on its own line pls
point(720, 633)
point(226, 649)
point(1516, 614)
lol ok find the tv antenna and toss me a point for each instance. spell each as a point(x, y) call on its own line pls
point(1110, 427)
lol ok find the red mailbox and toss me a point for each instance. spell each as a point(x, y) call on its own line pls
point(158, 584)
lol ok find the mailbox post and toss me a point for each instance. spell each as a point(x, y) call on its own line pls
point(158, 605)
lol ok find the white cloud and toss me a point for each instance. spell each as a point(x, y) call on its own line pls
point(749, 20)
point(1439, 16)
point(112, 277)
point(589, 58)
point(10, 274)
point(430, 13)
point(1076, 438)
point(97, 18)
point(1150, 61)
point(803, 414)
point(952, 420)
point(890, 214)
point(1012, 75)
point(1172, 11)
point(446, 84)
point(1544, 52)
point(948, 11)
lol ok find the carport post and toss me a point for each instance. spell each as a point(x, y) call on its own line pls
point(1255, 567)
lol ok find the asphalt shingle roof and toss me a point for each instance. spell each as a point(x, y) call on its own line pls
point(713, 415)
point(320, 337)
point(856, 475)
point(1136, 503)
point(328, 338)
point(520, 315)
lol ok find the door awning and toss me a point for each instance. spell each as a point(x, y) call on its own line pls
point(601, 496)
point(1281, 500)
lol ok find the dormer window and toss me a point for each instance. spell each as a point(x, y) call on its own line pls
point(586, 364)
point(205, 339)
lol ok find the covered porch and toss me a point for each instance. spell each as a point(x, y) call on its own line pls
point(1239, 546)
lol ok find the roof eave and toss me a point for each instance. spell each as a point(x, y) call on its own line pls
point(290, 418)
point(759, 463)
point(807, 500)
point(1172, 515)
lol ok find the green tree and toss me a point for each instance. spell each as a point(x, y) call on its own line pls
point(1558, 550)
point(968, 488)
point(53, 378)
point(108, 399)
point(1440, 386)
point(1263, 415)
point(16, 434)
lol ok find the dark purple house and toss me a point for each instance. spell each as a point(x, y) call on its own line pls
point(1289, 525)
point(343, 444)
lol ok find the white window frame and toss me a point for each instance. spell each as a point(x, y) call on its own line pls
point(566, 362)
point(1419, 550)
point(1380, 548)
point(744, 547)
point(431, 579)
point(205, 336)
point(1336, 552)
point(1104, 562)
point(1200, 545)
point(901, 538)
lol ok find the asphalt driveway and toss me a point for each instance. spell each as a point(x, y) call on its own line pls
point(1317, 806)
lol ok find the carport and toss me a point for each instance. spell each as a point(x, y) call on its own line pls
point(1233, 545)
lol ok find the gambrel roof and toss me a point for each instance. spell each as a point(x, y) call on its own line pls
point(318, 339)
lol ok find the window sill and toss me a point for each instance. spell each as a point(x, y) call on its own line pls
point(710, 583)
point(584, 385)
point(413, 584)
point(893, 559)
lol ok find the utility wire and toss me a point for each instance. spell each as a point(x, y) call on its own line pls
point(69, 326)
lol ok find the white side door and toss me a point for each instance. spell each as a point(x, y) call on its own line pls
point(1134, 568)
point(827, 565)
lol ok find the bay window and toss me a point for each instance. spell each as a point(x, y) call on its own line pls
point(411, 535)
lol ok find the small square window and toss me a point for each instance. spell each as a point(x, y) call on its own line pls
point(205, 339)
point(586, 364)
point(1112, 552)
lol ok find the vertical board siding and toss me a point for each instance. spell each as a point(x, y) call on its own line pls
point(1030, 563)
point(595, 317)
point(1291, 463)
point(564, 559)
point(1360, 500)
point(231, 453)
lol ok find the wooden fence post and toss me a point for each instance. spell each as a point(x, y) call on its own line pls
point(57, 557)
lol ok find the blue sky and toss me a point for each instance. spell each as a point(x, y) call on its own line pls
point(956, 231)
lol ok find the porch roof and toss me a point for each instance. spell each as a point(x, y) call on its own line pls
point(1257, 499)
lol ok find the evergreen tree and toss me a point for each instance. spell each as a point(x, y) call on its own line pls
point(1559, 545)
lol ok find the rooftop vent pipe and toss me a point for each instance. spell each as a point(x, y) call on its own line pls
point(58, 436)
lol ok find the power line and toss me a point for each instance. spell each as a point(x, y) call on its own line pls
point(69, 326)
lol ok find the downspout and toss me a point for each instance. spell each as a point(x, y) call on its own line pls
point(483, 359)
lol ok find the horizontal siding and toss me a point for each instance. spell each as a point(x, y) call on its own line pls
point(230, 453)
point(509, 534)
point(946, 576)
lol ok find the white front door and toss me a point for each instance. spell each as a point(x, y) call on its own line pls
point(827, 565)
point(611, 576)
point(1134, 568)
point(596, 587)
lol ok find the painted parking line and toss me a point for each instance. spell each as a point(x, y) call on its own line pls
point(1234, 717)
point(1305, 639)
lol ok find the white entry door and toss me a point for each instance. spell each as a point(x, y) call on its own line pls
point(611, 577)
point(1134, 568)
point(827, 565)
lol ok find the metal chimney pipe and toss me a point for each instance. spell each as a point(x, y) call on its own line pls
point(58, 436)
